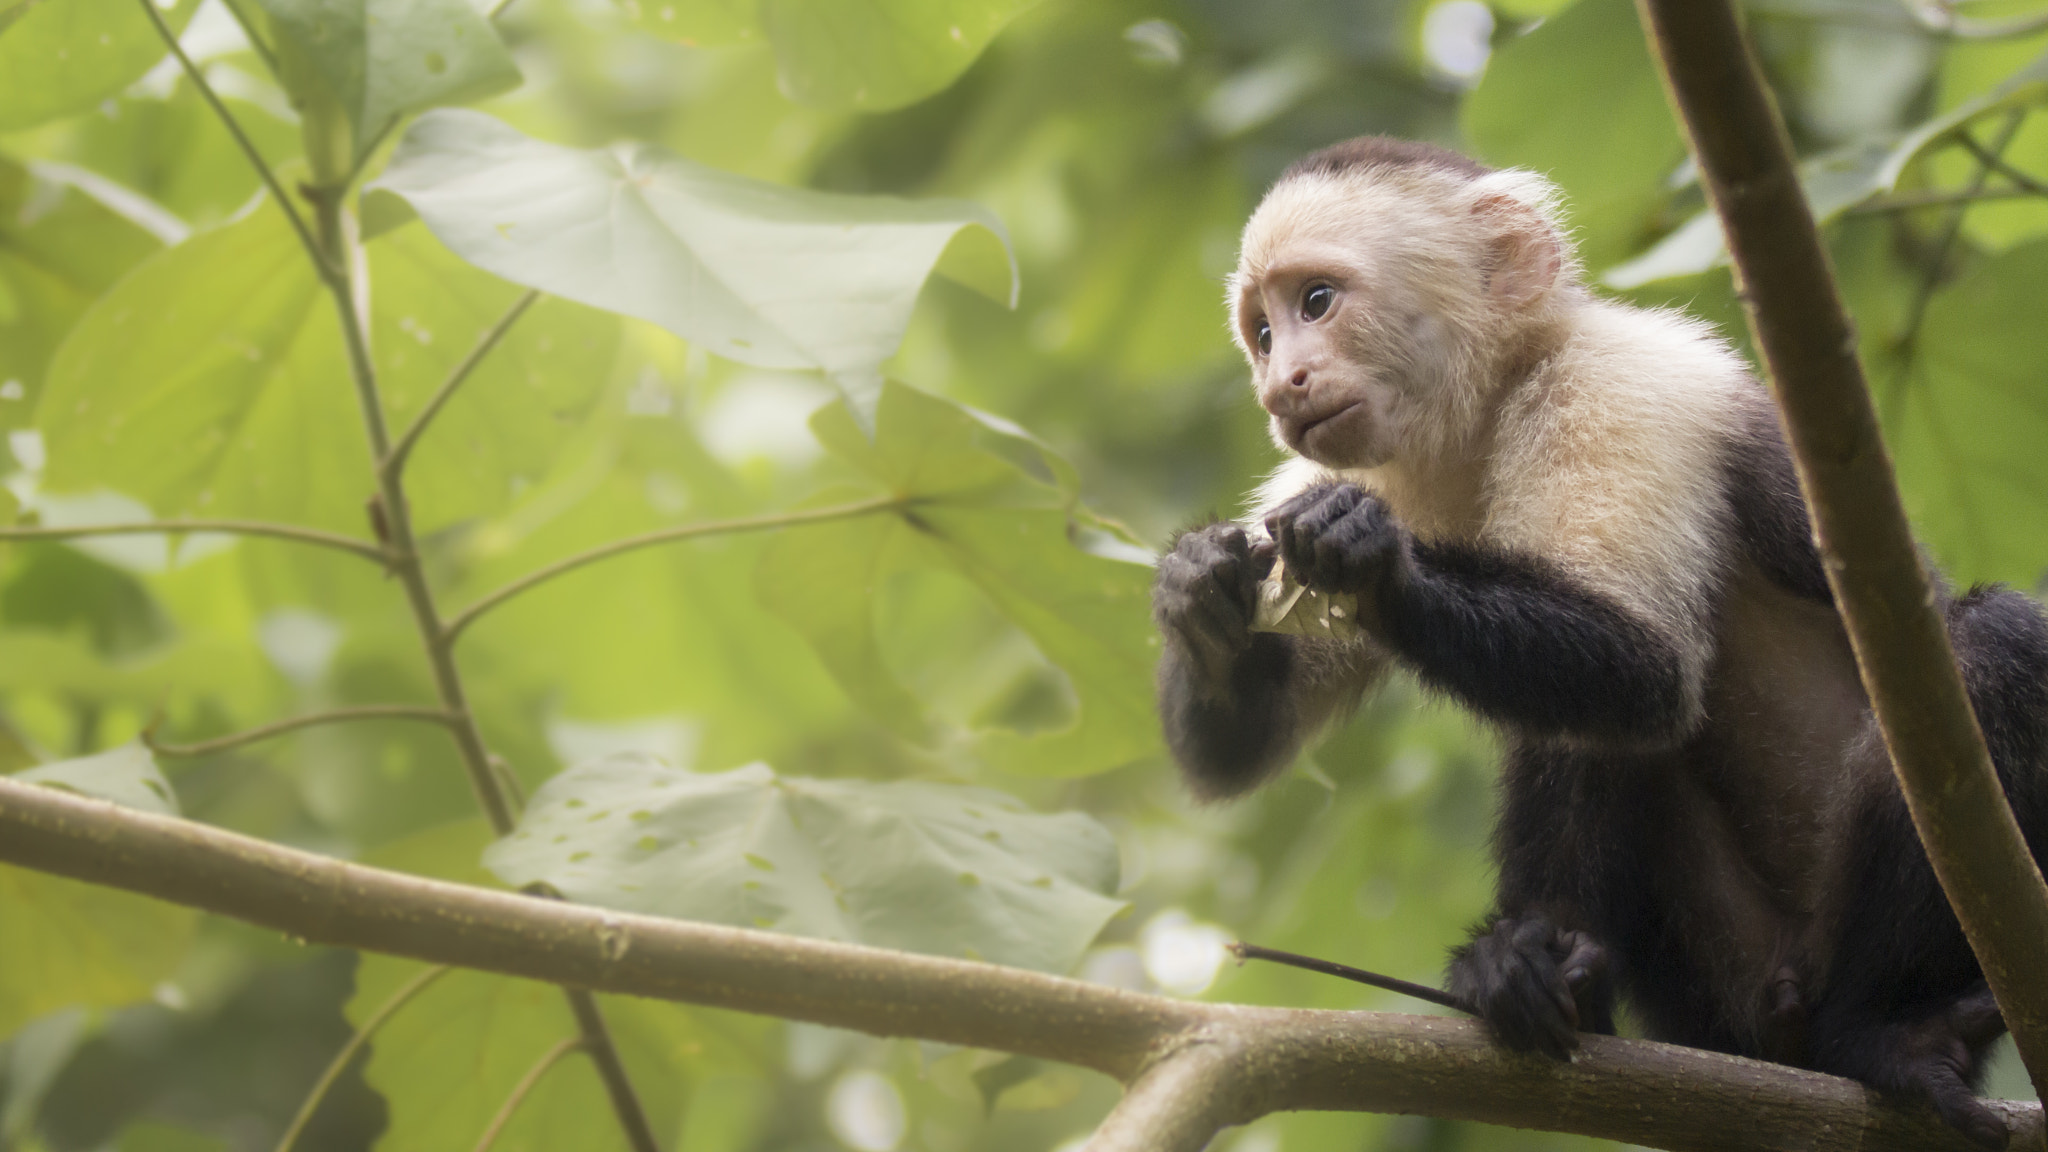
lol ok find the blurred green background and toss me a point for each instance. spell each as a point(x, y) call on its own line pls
point(1121, 143)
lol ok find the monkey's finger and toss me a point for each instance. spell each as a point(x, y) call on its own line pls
point(1976, 1018)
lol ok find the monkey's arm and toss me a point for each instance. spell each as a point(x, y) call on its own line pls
point(1238, 705)
point(1509, 636)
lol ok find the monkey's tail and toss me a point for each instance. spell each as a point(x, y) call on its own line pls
point(1244, 952)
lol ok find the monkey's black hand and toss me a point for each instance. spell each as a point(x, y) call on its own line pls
point(1536, 986)
point(1339, 538)
point(1205, 595)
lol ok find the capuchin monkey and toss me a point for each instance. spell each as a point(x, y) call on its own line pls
point(1579, 520)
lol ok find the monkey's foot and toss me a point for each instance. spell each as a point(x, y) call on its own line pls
point(1536, 986)
point(1935, 1059)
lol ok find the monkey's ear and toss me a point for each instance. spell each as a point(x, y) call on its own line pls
point(1524, 255)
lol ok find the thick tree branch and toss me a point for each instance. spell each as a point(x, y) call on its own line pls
point(1886, 596)
point(1275, 1059)
point(1181, 1100)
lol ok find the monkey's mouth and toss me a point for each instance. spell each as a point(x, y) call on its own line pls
point(1328, 437)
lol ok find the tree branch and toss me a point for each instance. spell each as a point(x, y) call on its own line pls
point(1887, 600)
point(1647, 1093)
point(463, 619)
point(293, 724)
point(335, 540)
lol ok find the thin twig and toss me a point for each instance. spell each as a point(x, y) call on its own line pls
point(498, 9)
point(401, 449)
point(1952, 226)
point(463, 619)
point(525, 1087)
point(1935, 198)
point(1993, 158)
point(1424, 992)
point(336, 540)
point(280, 727)
point(248, 146)
point(339, 1064)
point(369, 149)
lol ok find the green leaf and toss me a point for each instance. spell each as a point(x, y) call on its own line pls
point(53, 263)
point(1068, 582)
point(62, 57)
point(705, 22)
point(936, 868)
point(380, 59)
point(1579, 100)
point(1967, 428)
point(77, 943)
point(127, 775)
point(212, 382)
point(876, 54)
point(773, 276)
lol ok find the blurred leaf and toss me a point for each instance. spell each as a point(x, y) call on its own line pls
point(1966, 429)
point(88, 945)
point(877, 54)
point(59, 588)
point(937, 868)
point(1833, 183)
point(1579, 100)
point(53, 263)
point(61, 57)
point(127, 775)
point(778, 277)
point(212, 382)
point(379, 59)
point(1017, 538)
point(705, 22)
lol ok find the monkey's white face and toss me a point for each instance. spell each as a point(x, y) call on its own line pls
point(1304, 322)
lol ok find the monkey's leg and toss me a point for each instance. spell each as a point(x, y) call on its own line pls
point(1574, 866)
point(1905, 1006)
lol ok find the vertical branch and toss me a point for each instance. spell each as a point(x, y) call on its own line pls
point(1887, 599)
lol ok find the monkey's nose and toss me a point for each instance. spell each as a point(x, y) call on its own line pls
point(1300, 378)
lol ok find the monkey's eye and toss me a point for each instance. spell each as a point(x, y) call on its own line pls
point(1316, 304)
point(1265, 338)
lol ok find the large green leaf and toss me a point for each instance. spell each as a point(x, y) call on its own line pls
point(212, 381)
point(927, 867)
point(1967, 428)
point(53, 263)
point(61, 57)
point(379, 59)
point(71, 943)
point(779, 277)
point(844, 54)
point(1579, 100)
point(980, 512)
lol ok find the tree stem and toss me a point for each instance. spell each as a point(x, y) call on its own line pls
point(1888, 602)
